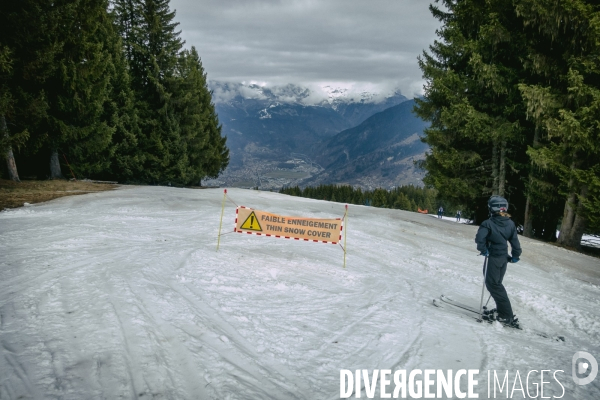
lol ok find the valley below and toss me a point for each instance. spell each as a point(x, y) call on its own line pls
point(275, 144)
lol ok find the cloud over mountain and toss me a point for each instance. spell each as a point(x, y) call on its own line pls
point(344, 42)
point(332, 94)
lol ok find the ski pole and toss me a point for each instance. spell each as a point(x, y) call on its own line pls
point(483, 288)
point(486, 303)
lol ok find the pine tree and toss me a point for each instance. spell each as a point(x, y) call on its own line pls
point(478, 121)
point(5, 104)
point(125, 158)
point(79, 90)
point(402, 202)
point(28, 48)
point(152, 47)
point(180, 139)
point(200, 129)
point(379, 198)
point(565, 105)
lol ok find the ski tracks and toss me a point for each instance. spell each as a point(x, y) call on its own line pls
point(9, 387)
point(220, 347)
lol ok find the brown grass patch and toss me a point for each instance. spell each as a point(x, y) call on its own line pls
point(13, 194)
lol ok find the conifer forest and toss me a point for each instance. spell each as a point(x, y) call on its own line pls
point(513, 97)
point(409, 198)
point(105, 90)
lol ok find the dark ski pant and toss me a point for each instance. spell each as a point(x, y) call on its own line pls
point(496, 268)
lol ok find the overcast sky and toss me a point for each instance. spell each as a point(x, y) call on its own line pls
point(355, 44)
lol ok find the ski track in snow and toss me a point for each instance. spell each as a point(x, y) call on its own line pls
point(121, 294)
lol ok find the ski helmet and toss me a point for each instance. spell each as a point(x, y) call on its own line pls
point(497, 204)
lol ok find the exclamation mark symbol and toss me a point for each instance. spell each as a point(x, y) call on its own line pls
point(251, 223)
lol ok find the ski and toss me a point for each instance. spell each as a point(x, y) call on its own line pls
point(448, 300)
point(457, 310)
point(478, 317)
point(471, 314)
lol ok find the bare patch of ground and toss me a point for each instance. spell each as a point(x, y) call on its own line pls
point(13, 194)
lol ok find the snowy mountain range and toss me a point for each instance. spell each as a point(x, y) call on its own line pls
point(323, 95)
point(286, 127)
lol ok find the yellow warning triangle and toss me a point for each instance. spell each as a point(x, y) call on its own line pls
point(251, 223)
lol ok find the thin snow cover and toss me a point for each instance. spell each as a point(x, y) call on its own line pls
point(122, 294)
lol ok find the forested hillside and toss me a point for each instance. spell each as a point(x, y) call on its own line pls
point(513, 97)
point(380, 152)
point(409, 197)
point(104, 89)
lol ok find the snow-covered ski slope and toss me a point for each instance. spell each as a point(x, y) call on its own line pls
point(121, 294)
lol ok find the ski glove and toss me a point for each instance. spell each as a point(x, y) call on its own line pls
point(514, 260)
point(484, 253)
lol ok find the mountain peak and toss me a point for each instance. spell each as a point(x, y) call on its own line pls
point(322, 95)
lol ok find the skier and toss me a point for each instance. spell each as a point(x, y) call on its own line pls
point(458, 216)
point(491, 241)
point(440, 212)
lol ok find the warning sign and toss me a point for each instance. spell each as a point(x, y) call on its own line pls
point(251, 223)
point(308, 229)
